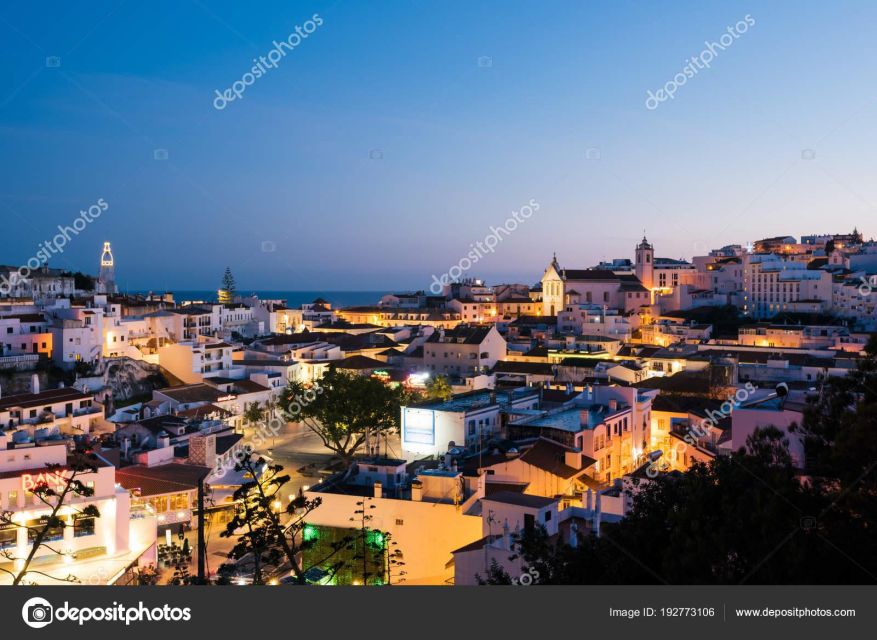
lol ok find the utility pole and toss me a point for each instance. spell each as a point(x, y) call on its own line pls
point(202, 548)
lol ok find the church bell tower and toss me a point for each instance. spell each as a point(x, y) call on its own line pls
point(645, 263)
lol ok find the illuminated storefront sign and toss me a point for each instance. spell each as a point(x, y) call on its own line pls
point(56, 480)
point(418, 379)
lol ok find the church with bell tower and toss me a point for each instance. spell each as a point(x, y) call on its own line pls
point(644, 267)
point(623, 290)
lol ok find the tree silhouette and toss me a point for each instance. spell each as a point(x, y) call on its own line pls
point(61, 500)
point(268, 533)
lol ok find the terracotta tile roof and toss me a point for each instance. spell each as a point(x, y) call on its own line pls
point(166, 478)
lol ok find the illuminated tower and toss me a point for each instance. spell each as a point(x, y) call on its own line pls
point(645, 263)
point(107, 280)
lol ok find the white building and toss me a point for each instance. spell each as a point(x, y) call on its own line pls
point(66, 411)
point(192, 361)
point(468, 420)
point(463, 351)
point(41, 284)
point(774, 284)
point(25, 333)
point(596, 320)
point(95, 550)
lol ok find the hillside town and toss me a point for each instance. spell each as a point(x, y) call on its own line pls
point(519, 405)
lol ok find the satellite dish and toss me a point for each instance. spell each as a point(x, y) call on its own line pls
point(782, 390)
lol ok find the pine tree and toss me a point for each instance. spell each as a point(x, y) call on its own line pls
point(226, 293)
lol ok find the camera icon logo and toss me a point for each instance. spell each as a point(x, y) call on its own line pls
point(37, 613)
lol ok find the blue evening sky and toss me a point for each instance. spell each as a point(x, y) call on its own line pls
point(399, 131)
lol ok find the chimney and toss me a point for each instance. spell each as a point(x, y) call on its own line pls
point(126, 443)
point(613, 405)
point(35, 383)
point(202, 450)
point(573, 459)
point(379, 489)
point(588, 499)
point(416, 491)
point(164, 440)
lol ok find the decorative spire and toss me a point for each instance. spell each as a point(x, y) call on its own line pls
point(645, 243)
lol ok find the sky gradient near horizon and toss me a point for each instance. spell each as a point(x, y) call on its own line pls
point(399, 132)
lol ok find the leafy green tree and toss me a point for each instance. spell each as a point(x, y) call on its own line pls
point(254, 413)
point(438, 388)
point(347, 410)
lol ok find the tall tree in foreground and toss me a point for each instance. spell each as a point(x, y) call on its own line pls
point(348, 410)
point(268, 530)
point(742, 518)
point(840, 441)
point(747, 517)
point(59, 493)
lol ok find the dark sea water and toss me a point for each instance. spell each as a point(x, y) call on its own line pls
point(294, 299)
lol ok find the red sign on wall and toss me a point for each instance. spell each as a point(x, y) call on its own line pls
point(56, 480)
